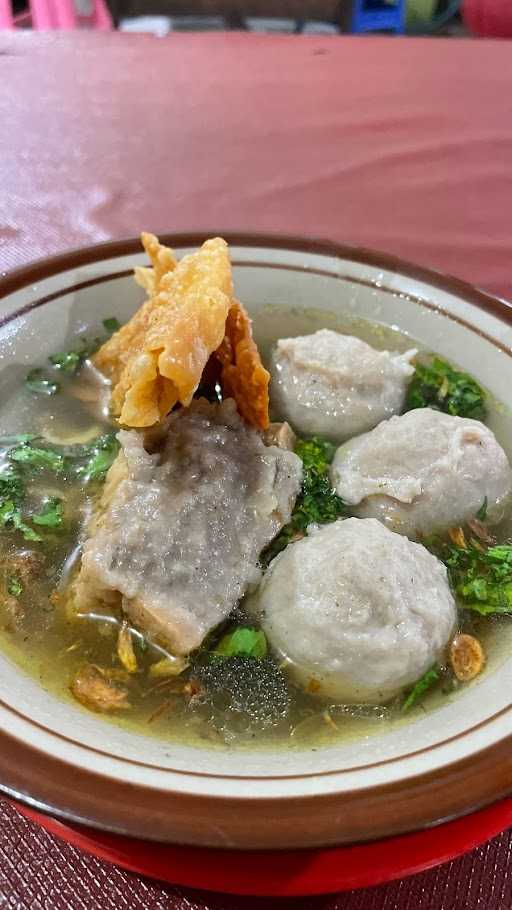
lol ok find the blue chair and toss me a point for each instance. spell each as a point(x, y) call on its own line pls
point(378, 16)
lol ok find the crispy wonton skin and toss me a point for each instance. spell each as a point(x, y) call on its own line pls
point(162, 261)
point(157, 359)
point(243, 376)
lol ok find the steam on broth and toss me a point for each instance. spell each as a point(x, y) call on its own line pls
point(234, 685)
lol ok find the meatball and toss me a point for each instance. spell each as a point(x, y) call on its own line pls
point(425, 471)
point(356, 611)
point(336, 385)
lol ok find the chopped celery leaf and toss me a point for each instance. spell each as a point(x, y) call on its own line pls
point(242, 640)
point(11, 518)
point(480, 576)
point(438, 385)
point(98, 456)
point(39, 384)
point(68, 362)
point(51, 515)
point(14, 586)
point(38, 459)
point(421, 687)
point(317, 502)
point(111, 325)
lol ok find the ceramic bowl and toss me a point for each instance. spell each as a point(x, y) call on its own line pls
point(57, 757)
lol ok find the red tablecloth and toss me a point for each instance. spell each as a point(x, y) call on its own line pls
point(401, 145)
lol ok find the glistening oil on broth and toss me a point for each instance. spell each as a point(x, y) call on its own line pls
point(51, 645)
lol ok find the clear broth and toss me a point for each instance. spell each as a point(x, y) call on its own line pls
point(49, 645)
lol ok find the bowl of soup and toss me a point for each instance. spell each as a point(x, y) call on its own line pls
point(255, 542)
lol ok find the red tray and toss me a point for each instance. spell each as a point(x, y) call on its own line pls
point(291, 872)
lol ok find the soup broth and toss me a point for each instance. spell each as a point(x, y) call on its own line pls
point(50, 642)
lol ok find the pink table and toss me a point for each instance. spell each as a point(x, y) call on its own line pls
point(400, 145)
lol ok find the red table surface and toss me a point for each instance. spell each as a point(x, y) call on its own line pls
point(400, 145)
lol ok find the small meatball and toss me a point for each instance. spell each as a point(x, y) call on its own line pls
point(425, 471)
point(356, 611)
point(335, 385)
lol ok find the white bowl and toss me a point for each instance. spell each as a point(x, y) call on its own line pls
point(59, 758)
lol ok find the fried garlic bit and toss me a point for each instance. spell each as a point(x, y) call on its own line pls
point(125, 651)
point(481, 532)
point(168, 666)
point(457, 537)
point(157, 359)
point(92, 687)
point(243, 376)
point(466, 657)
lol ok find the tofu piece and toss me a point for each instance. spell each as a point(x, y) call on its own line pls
point(179, 532)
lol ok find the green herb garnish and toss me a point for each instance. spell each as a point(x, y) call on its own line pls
point(481, 515)
point(68, 362)
point(242, 640)
point(14, 586)
point(111, 325)
point(90, 461)
point(12, 493)
point(481, 577)
point(437, 385)
point(99, 455)
point(10, 517)
point(38, 383)
point(316, 454)
point(421, 687)
point(11, 485)
point(317, 503)
point(51, 515)
point(38, 459)
point(25, 460)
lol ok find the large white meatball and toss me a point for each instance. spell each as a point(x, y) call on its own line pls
point(357, 611)
point(336, 385)
point(423, 472)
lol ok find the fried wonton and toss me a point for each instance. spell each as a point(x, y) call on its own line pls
point(157, 359)
point(243, 376)
point(162, 261)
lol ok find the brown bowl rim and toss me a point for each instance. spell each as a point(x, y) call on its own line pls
point(418, 802)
